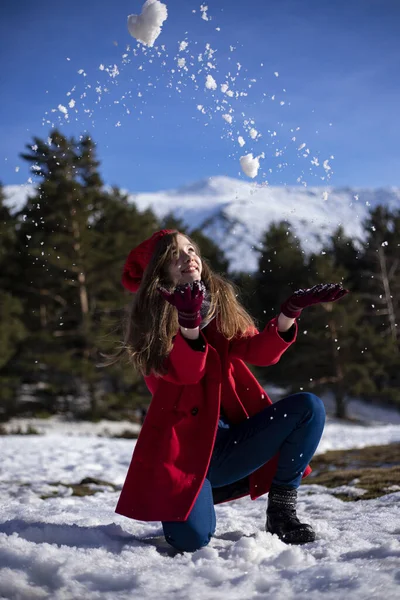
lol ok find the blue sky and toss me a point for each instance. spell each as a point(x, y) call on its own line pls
point(338, 62)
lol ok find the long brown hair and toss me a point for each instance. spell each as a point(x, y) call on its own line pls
point(151, 322)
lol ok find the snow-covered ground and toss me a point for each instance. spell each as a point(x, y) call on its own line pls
point(70, 547)
point(60, 425)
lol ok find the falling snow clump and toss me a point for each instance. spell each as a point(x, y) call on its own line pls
point(211, 84)
point(146, 27)
point(250, 165)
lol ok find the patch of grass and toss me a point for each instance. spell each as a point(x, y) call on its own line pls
point(43, 414)
point(87, 487)
point(126, 434)
point(372, 456)
point(374, 469)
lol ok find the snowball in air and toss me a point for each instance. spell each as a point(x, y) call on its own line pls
point(241, 141)
point(146, 27)
point(326, 165)
point(250, 165)
point(211, 84)
point(204, 10)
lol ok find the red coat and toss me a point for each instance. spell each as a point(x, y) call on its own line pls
point(173, 452)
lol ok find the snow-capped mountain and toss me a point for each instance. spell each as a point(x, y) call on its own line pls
point(235, 213)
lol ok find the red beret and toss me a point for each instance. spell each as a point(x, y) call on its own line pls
point(138, 259)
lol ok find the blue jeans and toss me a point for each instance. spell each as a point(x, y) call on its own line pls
point(293, 427)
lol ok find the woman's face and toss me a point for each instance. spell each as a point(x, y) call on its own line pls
point(185, 265)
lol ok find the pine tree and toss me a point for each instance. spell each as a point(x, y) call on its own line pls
point(52, 243)
point(352, 359)
point(381, 292)
point(336, 349)
point(381, 286)
point(339, 352)
point(12, 330)
point(281, 271)
point(55, 241)
point(117, 229)
point(78, 237)
point(347, 253)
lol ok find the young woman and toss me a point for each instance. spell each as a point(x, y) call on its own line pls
point(211, 433)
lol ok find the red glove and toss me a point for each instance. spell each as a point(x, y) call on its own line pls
point(187, 299)
point(323, 292)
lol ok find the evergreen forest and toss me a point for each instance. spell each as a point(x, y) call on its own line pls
point(62, 303)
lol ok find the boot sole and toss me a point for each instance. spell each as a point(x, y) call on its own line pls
point(297, 536)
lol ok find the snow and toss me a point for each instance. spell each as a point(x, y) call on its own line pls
point(236, 213)
point(58, 424)
point(203, 10)
point(211, 84)
point(17, 195)
point(250, 165)
point(146, 27)
point(67, 546)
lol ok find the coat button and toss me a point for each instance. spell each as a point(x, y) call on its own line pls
point(194, 411)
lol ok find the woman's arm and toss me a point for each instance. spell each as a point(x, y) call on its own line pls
point(190, 334)
point(265, 348)
point(284, 323)
point(185, 364)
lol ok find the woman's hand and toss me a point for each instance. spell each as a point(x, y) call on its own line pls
point(187, 299)
point(323, 292)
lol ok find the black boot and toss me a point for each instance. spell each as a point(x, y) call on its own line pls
point(282, 518)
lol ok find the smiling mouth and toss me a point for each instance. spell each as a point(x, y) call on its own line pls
point(190, 269)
